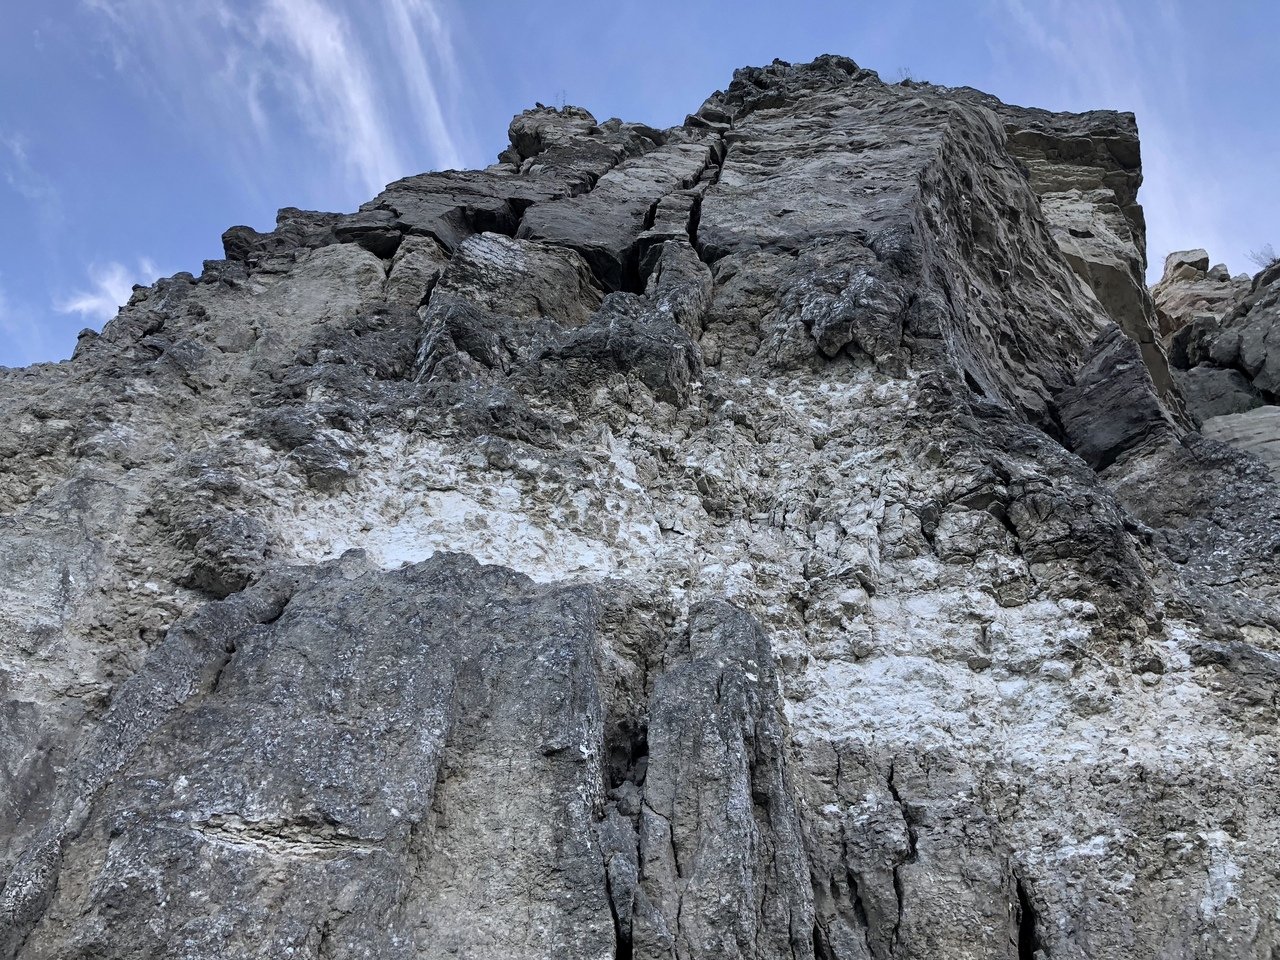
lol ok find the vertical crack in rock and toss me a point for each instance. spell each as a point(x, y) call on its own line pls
point(859, 909)
point(710, 177)
point(323, 946)
point(695, 214)
point(722, 855)
point(1028, 929)
point(605, 226)
point(229, 651)
point(911, 856)
point(623, 949)
point(821, 947)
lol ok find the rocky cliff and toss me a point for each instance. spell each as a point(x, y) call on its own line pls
point(779, 536)
point(1190, 288)
point(1225, 341)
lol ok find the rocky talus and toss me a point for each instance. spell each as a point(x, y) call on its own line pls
point(778, 536)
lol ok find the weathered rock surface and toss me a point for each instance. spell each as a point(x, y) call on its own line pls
point(1227, 363)
point(1086, 169)
point(774, 537)
point(1190, 288)
point(1256, 430)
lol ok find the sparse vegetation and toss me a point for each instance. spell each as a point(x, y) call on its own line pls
point(1264, 257)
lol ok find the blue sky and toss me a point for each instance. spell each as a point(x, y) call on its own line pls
point(133, 132)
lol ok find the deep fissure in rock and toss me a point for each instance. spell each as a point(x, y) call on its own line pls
point(1028, 931)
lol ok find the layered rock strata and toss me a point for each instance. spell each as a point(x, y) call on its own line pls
point(769, 537)
point(1086, 169)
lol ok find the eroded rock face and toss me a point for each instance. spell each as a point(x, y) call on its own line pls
point(1228, 364)
point(772, 537)
point(1191, 289)
point(1086, 169)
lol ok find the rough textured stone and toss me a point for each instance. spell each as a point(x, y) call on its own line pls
point(606, 224)
point(1214, 391)
point(773, 537)
point(1255, 430)
point(1086, 170)
point(1228, 363)
point(1113, 407)
point(1189, 289)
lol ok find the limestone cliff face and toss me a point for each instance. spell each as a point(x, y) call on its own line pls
point(762, 538)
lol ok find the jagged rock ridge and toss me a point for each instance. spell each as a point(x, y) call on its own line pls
point(777, 536)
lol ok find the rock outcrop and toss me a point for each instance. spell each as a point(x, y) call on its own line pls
point(1190, 289)
point(1086, 169)
point(778, 536)
point(1228, 364)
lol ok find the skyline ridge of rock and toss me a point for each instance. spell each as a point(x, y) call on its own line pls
point(795, 533)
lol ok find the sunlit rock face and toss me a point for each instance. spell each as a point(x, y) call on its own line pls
point(777, 536)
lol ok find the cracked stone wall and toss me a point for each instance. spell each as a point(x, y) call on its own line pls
point(776, 536)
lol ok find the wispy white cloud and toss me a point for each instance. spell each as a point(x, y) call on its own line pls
point(110, 286)
point(420, 35)
point(113, 12)
point(23, 178)
point(331, 86)
point(325, 89)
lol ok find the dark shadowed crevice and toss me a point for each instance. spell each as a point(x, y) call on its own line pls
point(929, 515)
point(911, 857)
point(894, 938)
point(859, 908)
point(505, 220)
point(622, 945)
point(821, 946)
point(716, 168)
point(717, 164)
point(632, 280)
point(519, 207)
point(414, 370)
point(324, 946)
point(695, 218)
point(651, 215)
point(1029, 945)
point(627, 749)
point(229, 652)
point(973, 384)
